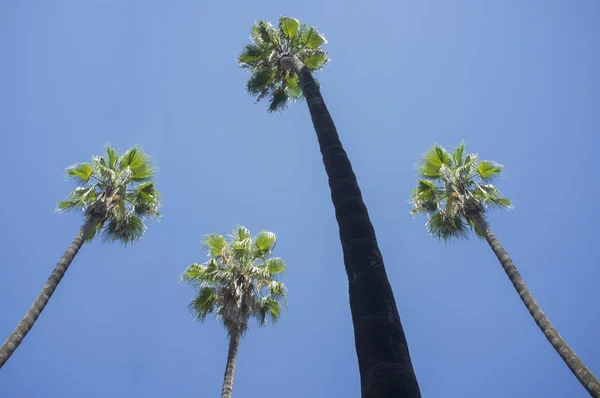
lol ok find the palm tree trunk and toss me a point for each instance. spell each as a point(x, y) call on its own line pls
point(383, 358)
point(583, 374)
point(16, 337)
point(234, 343)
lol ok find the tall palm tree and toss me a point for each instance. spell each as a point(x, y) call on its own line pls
point(281, 61)
point(116, 194)
point(455, 192)
point(237, 283)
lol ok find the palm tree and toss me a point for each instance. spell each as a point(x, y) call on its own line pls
point(281, 61)
point(116, 195)
point(236, 283)
point(454, 193)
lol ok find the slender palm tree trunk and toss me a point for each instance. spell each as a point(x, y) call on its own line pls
point(25, 325)
point(383, 358)
point(234, 343)
point(583, 374)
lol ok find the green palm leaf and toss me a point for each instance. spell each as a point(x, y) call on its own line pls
point(215, 243)
point(289, 26)
point(488, 170)
point(433, 161)
point(81, 173)
point(265, 242)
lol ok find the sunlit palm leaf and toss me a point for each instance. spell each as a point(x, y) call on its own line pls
point(215, 243)
point(433, 160)
point(265, 241)
point(275, 265)
point(139, 164)
point(113, 157)
point(79, 199)
point(289, 26)
point(457, 155)
point(488, 170)
point(81, 173)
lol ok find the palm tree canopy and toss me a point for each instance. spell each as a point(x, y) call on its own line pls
point(455, 187)
point(238, 280)
point(116, 190)
point(269, 44)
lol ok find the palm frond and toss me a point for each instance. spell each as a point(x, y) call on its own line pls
point(126, 230)
point(263, 33)
point(204, 303)
point(289, 27)
point(457, 154)
point(145, 199)
point(293, 89)
point(433, 160)
point(265, 242)
point(251, 54)
point(277, 290)
point(279, 100)
point(444, 226)
point(488, 170)
point(78, 200)
point(426, 197)
point(490, 196)
point(139, 163)
point(80, 172)
point(313, 38)
point(275, 265)
point(316, 62)
point(267, 307)
point(260, 81)
point(216, 244)
point(112, 156)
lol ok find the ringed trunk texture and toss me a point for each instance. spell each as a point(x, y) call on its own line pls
point(234, 343)
point(16, 337)
point(583, 374)
point(383, 357)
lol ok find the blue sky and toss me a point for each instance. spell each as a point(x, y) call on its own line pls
point(518, 81)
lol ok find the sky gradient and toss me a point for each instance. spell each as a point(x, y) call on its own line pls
point(517, 81)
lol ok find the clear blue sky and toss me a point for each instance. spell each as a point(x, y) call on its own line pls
point(517, 80)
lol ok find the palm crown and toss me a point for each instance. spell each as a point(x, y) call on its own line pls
point(269, 44)
point(117, 191)
point(238, 280)
point(456, 187)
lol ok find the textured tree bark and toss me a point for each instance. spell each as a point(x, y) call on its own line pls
point(383, 357)
point(234, 343)
point(583, 374)
point(16, 337)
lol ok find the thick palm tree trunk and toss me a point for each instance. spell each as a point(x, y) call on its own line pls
point(25, 325)
point(383, 358)
point(583, 374)
point(234, 343)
